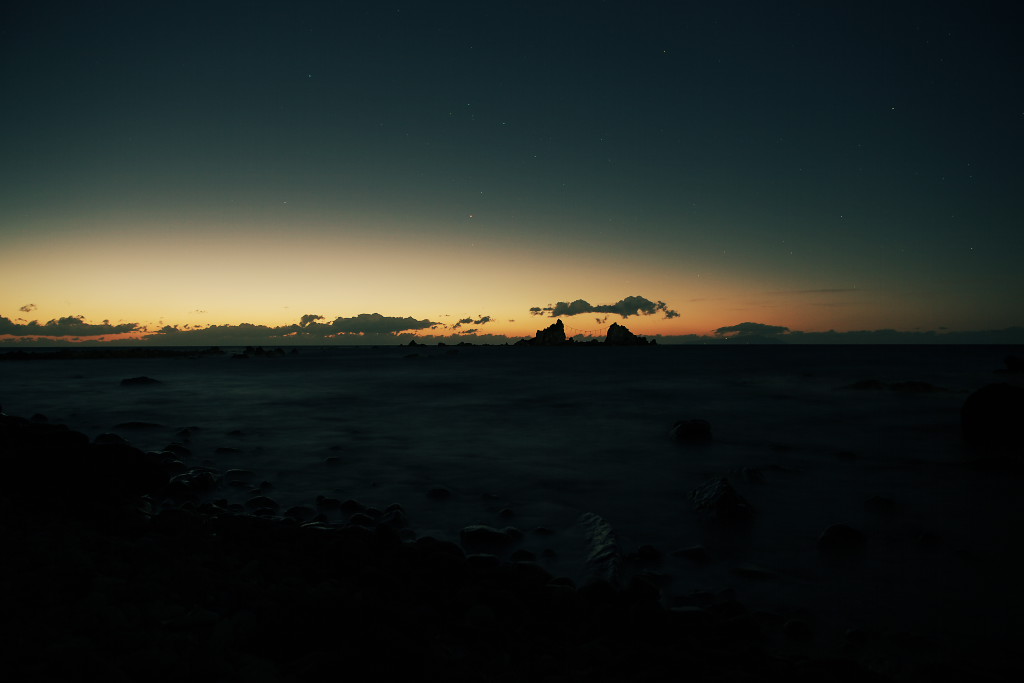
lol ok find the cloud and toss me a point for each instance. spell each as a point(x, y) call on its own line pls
point(28, 308)
point(68, 326)
point(309, 318)
point(482, 320)
point(750, 329)
point(631, 305)
point(370, 323)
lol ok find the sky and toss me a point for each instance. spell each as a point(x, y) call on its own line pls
point(356, 167)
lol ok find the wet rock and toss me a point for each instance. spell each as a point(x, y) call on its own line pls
point(139, 381)
point(139, 426)
point(604, 559)
point(798, 629)
point(178, 450)
point(691, 618)
point(647, 556)
point(717, 501)
point(483, 538)
point(691, 431)
point(362, 519)
point(697, 554)
point(914, 387)
point(395, 518)
point(753, 571)
point(866, 385)
point(327, 503)
point(300, 512)
point(482, 562)
point(882, 506)
point(257, 502)
point(992, 420)
point(107, 438)
point(841, 540)
point(439, 493)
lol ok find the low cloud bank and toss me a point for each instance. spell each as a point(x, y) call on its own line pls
point(356, 329)
point(70, 326)
point(377, 329)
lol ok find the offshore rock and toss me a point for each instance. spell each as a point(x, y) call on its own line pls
point(619, 335)
point(553, 335)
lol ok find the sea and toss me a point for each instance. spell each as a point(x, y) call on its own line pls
point(535, 437)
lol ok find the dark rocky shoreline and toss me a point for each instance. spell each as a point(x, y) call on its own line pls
point(104, 582)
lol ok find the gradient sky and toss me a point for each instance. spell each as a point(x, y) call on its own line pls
point(799, 164)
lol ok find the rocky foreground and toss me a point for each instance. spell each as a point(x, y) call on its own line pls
point(114, 571)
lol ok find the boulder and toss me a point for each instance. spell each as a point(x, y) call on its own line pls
point(717, 501)
point(841, 540)
point(486, 539)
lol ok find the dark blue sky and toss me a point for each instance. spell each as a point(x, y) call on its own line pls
point(798, 164)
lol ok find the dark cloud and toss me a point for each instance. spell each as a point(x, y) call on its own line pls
point(63, 327)
point(537, 310)
point(372, 323)
point(309, 318)
point(750, 329)
point(482, 320)
point(28, 308)
point(631, 305)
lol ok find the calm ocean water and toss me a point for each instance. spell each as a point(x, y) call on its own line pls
point(549, 433)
